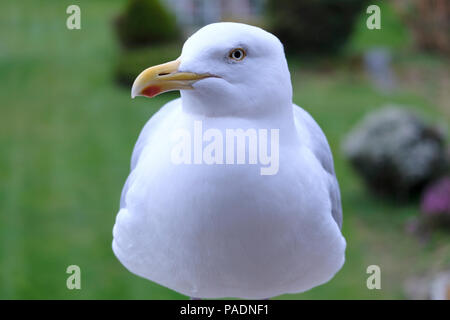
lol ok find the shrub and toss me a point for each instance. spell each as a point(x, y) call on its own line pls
point(313, 26)
point(393, 35)
point(145, 22)
point(396, 152)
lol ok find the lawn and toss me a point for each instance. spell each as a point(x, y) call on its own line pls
point(67, 132)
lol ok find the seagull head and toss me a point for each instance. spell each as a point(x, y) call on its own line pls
point(225, 69)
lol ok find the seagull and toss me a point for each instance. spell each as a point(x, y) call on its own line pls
point(215, 229)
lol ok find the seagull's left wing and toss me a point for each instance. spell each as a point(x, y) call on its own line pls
point(318, 144)
point(146, 132)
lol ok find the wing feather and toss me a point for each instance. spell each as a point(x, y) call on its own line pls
point(318, 144)
point(151, 126)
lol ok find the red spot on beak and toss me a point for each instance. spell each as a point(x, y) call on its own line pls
point(151, 91)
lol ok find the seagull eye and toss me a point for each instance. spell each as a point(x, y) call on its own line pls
point(237, 54)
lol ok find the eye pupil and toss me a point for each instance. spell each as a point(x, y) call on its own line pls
point(237, 54)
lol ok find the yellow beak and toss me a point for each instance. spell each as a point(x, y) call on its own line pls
point(162, 78)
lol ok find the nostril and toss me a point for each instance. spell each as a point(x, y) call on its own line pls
point(163, 74)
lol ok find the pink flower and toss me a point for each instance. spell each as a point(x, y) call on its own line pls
point(436, 198)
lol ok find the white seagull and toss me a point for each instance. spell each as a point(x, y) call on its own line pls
point(225, 229)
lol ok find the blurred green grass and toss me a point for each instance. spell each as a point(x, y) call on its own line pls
point(66, 136)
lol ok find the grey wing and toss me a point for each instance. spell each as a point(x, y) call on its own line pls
point(149, 127)
point(319, 146)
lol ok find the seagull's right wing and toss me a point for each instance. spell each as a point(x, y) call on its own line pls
point(318, 144)
point(155, 121)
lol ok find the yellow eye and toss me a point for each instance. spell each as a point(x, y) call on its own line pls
point(237, 54)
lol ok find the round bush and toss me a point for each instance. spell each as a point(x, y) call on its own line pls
point(314, 26)
point(145, 22)
point(396, 152)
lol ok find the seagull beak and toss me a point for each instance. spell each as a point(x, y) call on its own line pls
point(162, 78)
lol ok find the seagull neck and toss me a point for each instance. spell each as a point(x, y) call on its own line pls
point(195, 104)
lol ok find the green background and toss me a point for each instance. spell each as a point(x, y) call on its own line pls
point(67, 132)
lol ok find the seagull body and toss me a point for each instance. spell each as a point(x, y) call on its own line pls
point(226, 230)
